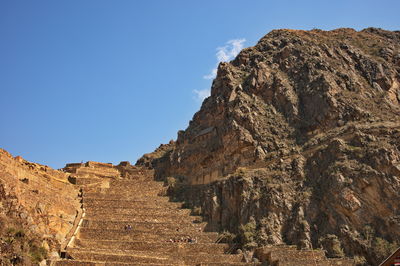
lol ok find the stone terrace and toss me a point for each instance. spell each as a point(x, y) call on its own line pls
point(114, 197)
point(159, 232)
point(285, 255)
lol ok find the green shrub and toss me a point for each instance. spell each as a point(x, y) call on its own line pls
point(248, 235)
point(37, 254)
point(360, 260)
point(332, 246)
point(196, 211)
point(240, 171)
point(368, 233)
point(382, 248)
point(10, 231)
point(227, 237)
point(171, 181)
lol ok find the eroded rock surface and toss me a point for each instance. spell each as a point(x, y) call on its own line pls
point(38, 207)
point(298, 144)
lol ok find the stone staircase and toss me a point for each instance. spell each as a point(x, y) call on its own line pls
point(285, 255)
point(127, 222)
point(115, 197)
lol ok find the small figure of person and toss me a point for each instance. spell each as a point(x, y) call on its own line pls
point(128, 227)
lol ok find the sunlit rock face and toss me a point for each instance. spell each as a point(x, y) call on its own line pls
point(300, 136)
point(38, 207)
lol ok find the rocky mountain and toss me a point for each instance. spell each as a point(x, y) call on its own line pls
point(298, 144)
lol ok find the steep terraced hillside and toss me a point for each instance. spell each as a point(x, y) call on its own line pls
point(128, 221)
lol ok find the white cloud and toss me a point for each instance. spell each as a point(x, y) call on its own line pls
point(212, 75)
point(202, 94)
point(226, 53)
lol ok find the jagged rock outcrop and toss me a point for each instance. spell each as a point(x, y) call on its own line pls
point(299, 140)
point(38, 207)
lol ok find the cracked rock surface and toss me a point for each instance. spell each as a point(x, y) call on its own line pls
point(298, 144)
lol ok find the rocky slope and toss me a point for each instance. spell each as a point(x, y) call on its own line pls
point(298, 144)
point(38, 207)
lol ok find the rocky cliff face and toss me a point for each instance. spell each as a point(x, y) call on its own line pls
point(37, 210)
point(299, 144)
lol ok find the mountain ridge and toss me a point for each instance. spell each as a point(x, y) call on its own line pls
point(298, 141)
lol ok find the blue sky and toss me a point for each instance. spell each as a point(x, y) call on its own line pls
point(111, 80)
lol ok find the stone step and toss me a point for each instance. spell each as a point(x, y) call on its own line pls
point(223, 264)
point(126, 193)
point(135, 188)
point(300, 263)
point(263, 253)
point(150, 256)
point(289, 255)
point(84, 180)
point(102, 172)
point(311, 262)
point(106, 196)
point(130, 204)
point(180, 247)
point(92, 263)
point(126, 188)
point(148, 227)
point(337, 262)
point(134, 185)
point(144, 217)
point(99, 256)
point(135, 235)
point(153, 238)
point(282, 255)
point(171, 212)
point(136, 182)
point(66, 262)
point(268, 249)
